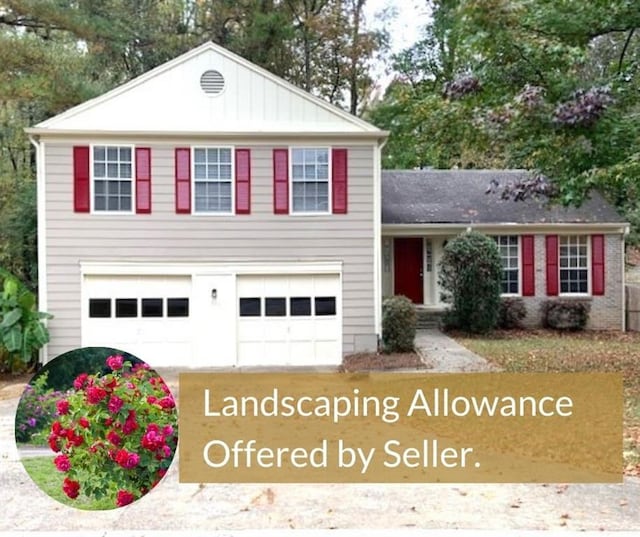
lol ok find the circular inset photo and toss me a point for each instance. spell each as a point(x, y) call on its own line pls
point(96, 428)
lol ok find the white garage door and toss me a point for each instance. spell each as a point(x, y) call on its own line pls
point(147, 316)
point(289, 320)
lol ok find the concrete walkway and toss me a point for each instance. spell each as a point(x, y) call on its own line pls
point(445, 355)
point(399, 509)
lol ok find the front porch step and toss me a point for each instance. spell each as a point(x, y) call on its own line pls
point(426, 319)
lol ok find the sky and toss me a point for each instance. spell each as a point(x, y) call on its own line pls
point(404, 29)
point(411, 16)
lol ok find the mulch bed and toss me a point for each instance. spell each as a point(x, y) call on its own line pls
point(13, 385)
point(371, 361)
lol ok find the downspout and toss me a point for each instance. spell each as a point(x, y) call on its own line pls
point(377, 237)
point(42, 235)
point(626, 232)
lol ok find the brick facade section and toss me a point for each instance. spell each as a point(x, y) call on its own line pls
point(607, 311)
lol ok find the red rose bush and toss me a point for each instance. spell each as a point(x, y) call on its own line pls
point(115, 434)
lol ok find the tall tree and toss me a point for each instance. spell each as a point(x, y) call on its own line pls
point(538, 84)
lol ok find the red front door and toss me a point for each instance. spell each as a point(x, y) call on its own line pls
point(407, 266)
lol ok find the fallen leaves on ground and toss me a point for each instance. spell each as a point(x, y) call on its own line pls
point(544, 351)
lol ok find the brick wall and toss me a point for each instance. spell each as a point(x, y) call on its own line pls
point(606, 311)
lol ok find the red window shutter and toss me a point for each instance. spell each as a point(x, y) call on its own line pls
point(339, 180)
point(81, 190)
point(143, 180)
point(528, 266)
point(597, 264)
point(183, 180)
point(552, 265)
point(243, 181)
point(281, 181)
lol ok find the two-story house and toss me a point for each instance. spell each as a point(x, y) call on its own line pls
point(209, 214)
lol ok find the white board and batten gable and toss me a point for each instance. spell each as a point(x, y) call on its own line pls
point(207, 90)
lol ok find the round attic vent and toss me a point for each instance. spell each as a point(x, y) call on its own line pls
point(212, 82)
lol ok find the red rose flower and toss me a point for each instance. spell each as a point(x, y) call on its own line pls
point(126, 459)
point(83, 422)
point(115, 404)
point(114, 438)
point(95, 395)
point(62, 406)
point(151, 399)
point(152, 439)
point(71, 488)
point(124, 497)
point(54, 442)
point(62, 462)
point(109, 383)
point(115, 362)
point(167, 430)
point(74, 439)
point(167, 402)
point(78, 383)
point(58, 429)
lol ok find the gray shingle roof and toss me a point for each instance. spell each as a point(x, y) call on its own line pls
point(459, 196)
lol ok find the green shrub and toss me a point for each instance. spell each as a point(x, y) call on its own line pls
point(470, 276)
point(22, 331)
point(398, 324)
point(565, 314)
point(37, 409)
point(511, 313)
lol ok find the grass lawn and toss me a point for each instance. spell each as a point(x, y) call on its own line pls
point(544, 351)
point(45, 475)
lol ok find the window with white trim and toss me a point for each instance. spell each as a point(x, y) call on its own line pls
point(510, 257)
point(112, 178)
point(574, 264)
point(310, 180)
point(213, 179)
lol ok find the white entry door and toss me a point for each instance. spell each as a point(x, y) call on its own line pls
point(289, 320)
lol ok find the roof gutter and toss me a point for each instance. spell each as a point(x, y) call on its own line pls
point(155, 135)
point(405, 229)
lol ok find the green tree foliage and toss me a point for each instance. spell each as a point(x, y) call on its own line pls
point(22, 331)
point(470, 275)
point(536, 84)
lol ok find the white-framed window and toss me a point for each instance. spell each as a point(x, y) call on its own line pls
point(112, 173)
point(213, 180)
point(310, 180)
point(573, 259)
point(509, 248)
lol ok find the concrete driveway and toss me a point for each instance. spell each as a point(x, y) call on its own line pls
point(174, 506)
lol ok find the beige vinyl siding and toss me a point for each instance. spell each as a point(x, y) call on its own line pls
point(164, 236)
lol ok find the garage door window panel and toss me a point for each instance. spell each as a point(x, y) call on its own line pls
point(152, 307)
point(275, 307)
point(113, 179)
point(250, 307)
point(100, 308)
point(126, 307)
point(325, 306)
point(300, 306)
point(213, 179)
point(177, 307)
